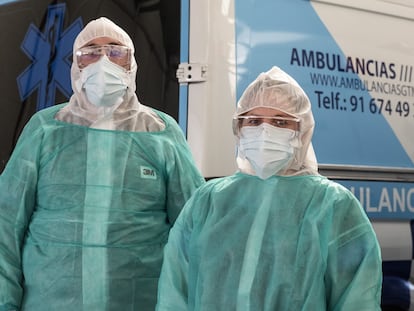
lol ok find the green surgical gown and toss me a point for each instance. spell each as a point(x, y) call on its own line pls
point(285, 243)
point(85, 214)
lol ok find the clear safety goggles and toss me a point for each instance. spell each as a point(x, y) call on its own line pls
point(118, 54)
point(282, 122)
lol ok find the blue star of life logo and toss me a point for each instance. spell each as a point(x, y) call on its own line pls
point(50, 53)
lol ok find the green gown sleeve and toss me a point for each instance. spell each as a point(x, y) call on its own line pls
point(354, 260)
point(17, 200)
point(183, 177)
point(174, 274)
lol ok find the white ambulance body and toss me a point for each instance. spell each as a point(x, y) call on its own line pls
point(354, 59)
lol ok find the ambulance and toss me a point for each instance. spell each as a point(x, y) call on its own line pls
point(353, 58)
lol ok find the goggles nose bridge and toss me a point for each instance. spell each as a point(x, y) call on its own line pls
point(107, 50)
point(101, 50)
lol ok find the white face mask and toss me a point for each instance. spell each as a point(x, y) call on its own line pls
point(105, 83)
point(268, 149)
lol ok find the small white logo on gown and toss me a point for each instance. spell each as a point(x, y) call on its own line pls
point(148, 172)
